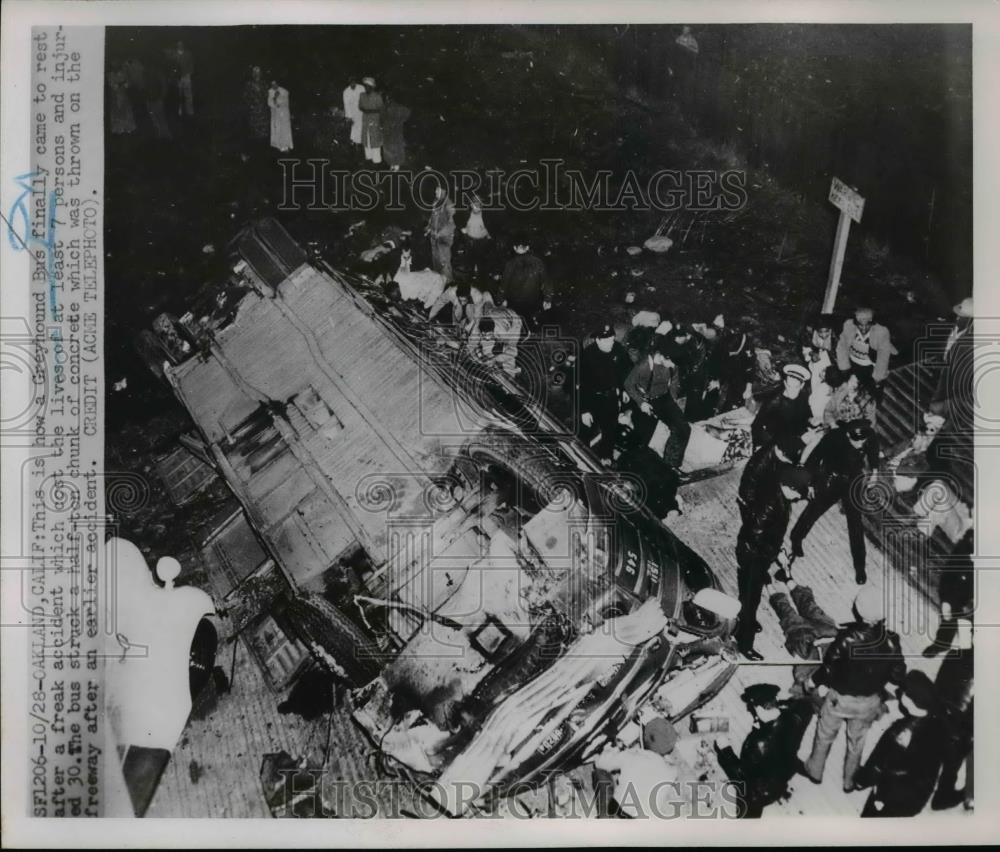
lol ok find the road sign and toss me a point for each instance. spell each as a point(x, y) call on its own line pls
point(851, 205)
point(846, 199)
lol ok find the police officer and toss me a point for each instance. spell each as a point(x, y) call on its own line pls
point(837, 464)
point(689, 351)
point(956, 591)
point(765, 521)
point(785, 414)
point(604, 364)
point(904, 764)
point(766, 762)
point(955, 685)
point(763, 467)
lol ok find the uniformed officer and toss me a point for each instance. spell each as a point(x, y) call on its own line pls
point(903, 767)
point(763, 467)
point(786, 414)
point(766, 762)
point(837, 463)
point(604, 364)
point(955, 685)
point(765, 521)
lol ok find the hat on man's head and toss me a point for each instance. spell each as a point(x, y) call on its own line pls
point(605, 331)
point(791, 447)
point(368, 81)
point(920, 690)
point(761, 695)
point(796, 478)
point(964, 308)
point(798, 371)
point(858, 430)
point(662, 345)
point(869, 605)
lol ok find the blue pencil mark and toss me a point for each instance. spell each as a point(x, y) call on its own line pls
point(26, 240)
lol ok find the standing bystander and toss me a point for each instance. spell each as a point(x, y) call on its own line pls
point(183, 63)
point(371, 105)
point(865, 346)
point(281, 117)
point(255, 102)
point(861, 660)
point(524, 279)
point(441, 231)
point(352, 111)
point(765, 522)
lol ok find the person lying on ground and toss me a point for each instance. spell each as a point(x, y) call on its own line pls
point(804, 624)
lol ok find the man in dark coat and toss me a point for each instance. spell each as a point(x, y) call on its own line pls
point(904, 764)
point(524, 278)
point(689, 351)
point(861, 660)
point(732, 363)
point(838, 463)
point(785, 414)
point(954, 399)
point(652, 386)
point(955, 686)
point(371, 105)
point(394, 117)
point(956, 590)
point(765, 522)
point(767, 761)
point(441, 232)
point(604, 364)
point(762, 468)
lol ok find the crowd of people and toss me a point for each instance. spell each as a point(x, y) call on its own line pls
point(647, 378)
point(813, 440)
point(143, 87)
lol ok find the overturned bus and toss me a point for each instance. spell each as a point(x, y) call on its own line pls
point(422, 527)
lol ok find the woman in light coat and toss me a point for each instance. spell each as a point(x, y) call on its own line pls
point(281, 117)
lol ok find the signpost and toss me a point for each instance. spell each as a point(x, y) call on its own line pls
point(851, 205)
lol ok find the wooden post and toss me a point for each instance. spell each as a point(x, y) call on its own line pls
point(851, 205)
point(836, 262)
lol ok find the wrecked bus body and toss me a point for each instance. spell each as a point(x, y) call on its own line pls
point(500, 602)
